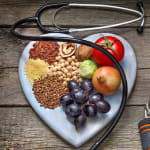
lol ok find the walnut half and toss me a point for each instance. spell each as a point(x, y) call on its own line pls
point(67, 49)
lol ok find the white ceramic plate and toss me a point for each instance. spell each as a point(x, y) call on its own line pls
point(56, 118)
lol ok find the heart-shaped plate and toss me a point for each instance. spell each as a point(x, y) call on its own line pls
point(56, 118)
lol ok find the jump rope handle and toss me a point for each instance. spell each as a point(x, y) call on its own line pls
point(144, 128)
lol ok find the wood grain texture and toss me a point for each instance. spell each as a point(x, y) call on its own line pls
point(21, 129)
point(11, 11)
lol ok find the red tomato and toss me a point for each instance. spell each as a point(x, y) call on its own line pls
point(112, 45)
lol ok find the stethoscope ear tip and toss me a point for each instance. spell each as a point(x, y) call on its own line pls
point(140, 29)
point(140, 4)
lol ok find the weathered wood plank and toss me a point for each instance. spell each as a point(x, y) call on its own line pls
point(11, 47)
point(11, 93)
point(40, 2)
point(10, 50)
point(11, 11)
point(21, 128)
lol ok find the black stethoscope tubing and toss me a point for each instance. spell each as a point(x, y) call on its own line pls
point(79, 41)
point(62, 5)
point(39, 12)
point(59, 6)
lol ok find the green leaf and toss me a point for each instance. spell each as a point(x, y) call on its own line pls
point(106, 40)
point(101, 44)
point(113, 42)
point(108, 44)
point(112, 49)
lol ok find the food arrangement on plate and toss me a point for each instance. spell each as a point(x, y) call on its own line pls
point(75, 77)
point(41, 87)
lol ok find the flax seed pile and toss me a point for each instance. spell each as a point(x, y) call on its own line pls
point(45, 50)
point(48, 91)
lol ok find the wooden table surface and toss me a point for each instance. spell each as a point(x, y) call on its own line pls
point(20, 127)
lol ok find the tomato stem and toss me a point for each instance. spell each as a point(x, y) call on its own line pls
point(108, 44)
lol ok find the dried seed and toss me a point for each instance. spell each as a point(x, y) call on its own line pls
point(48, 91)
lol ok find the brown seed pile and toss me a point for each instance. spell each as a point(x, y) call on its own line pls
point(48, 91)
point(45, 50)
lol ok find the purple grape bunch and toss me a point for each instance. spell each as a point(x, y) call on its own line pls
point(83, 101)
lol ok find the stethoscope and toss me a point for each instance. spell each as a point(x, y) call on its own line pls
point(59, 7)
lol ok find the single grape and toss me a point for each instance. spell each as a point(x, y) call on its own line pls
point(86, 85)
point(94, 98)
point(102, 106)
point(79, 84)
point(72, 84)
point(71, 119)
point(80, 97)
point(73, 91)
point(73, 110)
point(66, 100)
point(80, 121)
point(94, 92)
point(89, 110)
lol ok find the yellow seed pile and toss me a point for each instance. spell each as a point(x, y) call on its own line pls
point(36, 69)
point(66, 69)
